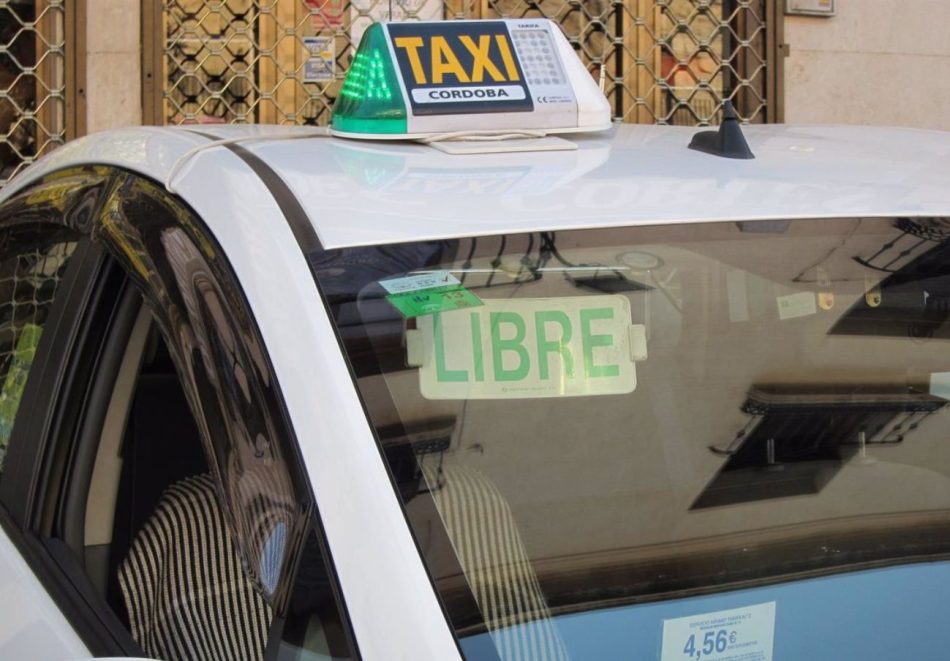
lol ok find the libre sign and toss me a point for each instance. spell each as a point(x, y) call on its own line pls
point(553, 347)
point(460, 68)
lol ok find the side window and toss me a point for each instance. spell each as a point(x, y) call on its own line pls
point(171, 449)
point(267, 506)
point(314, 629)
point(220, 361)
point(32, 261)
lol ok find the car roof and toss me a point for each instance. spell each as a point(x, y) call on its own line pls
point(369, 192)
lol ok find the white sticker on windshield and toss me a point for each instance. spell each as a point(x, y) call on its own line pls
point(418, 281)
point(801, 304)
point(940, 384)
point(741, 634)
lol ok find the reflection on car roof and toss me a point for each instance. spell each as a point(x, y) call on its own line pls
point(358, 193)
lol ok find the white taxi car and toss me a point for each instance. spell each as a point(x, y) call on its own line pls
point(267, 393)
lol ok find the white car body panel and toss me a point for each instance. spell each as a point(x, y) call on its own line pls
point(383, 579)
point(31, 625)
point(646, 176)
point(358, 194)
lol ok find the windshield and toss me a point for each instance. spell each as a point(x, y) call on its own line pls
point(703, 441)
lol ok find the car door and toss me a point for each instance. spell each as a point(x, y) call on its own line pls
point(158, 380)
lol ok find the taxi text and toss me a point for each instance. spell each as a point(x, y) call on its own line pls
point(490, 55)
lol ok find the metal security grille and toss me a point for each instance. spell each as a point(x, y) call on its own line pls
point(28, 283)
point(32, 81)
point(283, 61)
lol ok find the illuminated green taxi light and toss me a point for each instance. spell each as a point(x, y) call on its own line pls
point(371, 100)
point(416, 79)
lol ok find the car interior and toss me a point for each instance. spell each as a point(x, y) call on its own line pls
point(127, 456)
point(149, 441)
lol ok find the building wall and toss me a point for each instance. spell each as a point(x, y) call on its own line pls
point(874, 62)
point(113, 64)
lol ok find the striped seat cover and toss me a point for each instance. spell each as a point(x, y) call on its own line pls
point(488, 544)
point(183, 584)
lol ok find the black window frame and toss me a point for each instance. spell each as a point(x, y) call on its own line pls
point(70, 199)
point(92, 200)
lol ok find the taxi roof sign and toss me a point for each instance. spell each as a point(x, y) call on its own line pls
point(417, 79)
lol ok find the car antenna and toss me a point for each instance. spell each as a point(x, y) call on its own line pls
point(728, 141)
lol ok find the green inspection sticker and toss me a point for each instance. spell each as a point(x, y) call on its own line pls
point(437, 299)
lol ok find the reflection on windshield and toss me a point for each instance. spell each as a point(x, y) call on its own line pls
point(797, 438)
point(912, 298)
point(587, 425)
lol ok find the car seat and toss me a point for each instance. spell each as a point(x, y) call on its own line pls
point(184, 586)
